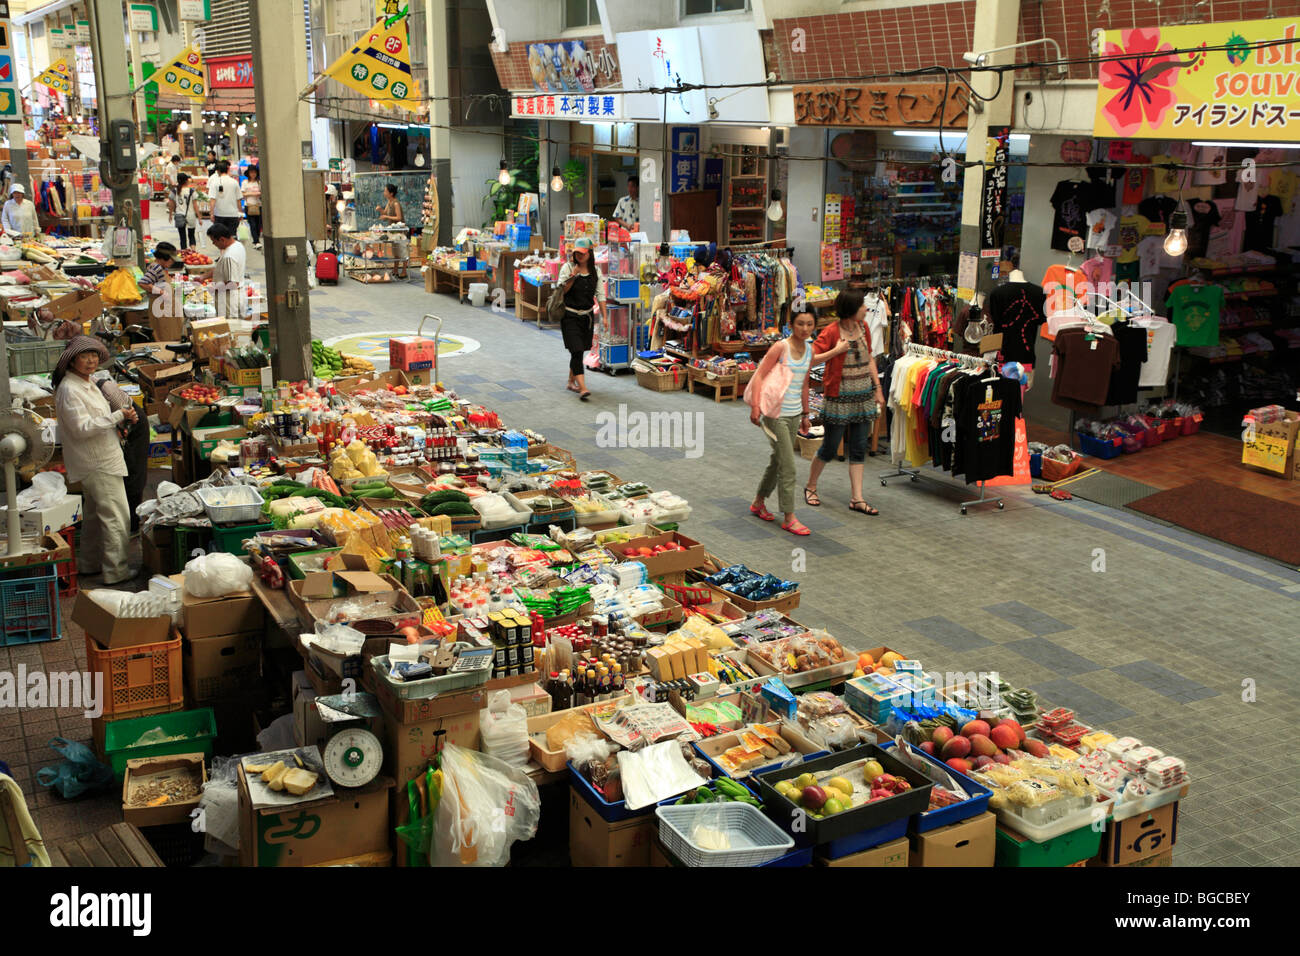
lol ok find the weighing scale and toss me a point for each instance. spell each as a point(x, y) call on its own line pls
point(353, 754)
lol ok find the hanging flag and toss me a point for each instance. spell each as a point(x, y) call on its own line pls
point(58, 77)
point(184, 75)
point(379, 67)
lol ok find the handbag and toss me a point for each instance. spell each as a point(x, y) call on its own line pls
point(555, 304)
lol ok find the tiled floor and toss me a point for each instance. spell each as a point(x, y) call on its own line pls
point(1146, 630)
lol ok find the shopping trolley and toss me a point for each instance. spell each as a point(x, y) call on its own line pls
point(437, 333)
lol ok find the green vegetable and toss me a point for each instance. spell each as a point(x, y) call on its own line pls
point(374, 491)
point(730, 788)
point(446, 494)
point(703, 795)
point(453, 509)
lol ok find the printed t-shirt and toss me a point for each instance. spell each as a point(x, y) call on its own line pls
point(1131, 230)
point(1259, 224)
point(1160, 343)
point(1100, 224)
point(1072, 202)
point(1157, 210)
point(1135, 182)
point(1166, 180)
point(1195, 312)
point(1211, 156)
point(1205, 216)
point(1060, 285)
point(1098, 270)
point(986, 414)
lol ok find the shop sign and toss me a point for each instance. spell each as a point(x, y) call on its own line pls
point(881, 104)
point(144, 18)
point(195, 10)
point(993, 201)
point(230, 72)
point(685, 172)
point(603, 107)
point(715, 61)
point(561, 67)
point(1165, 84)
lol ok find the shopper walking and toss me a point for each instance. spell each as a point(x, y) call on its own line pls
point(181, 203)
point(778, 403)
point(854, 398)
point(253, 204)
point(224, 190)
point(584, 294)
point(92, 455)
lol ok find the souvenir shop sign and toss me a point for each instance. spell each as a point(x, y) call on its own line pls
point(994, 199)
point(603, 107)
point(881, 104)
point(184, 75)
point(1244, 92)
point(230, 72)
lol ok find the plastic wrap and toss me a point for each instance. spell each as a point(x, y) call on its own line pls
point(213, 575)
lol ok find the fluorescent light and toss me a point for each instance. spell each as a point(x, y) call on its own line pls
point(934, 134)
point(1247, 145)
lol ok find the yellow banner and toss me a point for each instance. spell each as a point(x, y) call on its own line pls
point(1244, 92)
point(58, 77)
point(379, 67)
point(184, 75)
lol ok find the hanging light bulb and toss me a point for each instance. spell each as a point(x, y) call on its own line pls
point(503, 177)
point(419, 159)
point(1176, 240)
point(241, 129)
point(185, 125)
point(557, 181)
point(775, 211)
point(341, 206)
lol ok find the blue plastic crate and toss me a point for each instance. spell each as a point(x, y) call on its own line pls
point(1099, 448)
point(795, 858)
point(615, 355)
point(609, 812)
point(934, 819)
point(865, 839)
point(29, 605)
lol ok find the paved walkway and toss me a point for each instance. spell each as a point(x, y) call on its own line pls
point(1142, 629)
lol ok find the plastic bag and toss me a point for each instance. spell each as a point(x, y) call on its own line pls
point(486, 806)
point(79, 773)
point(212, 575)
point(339, 638)
point(48, 489)
point(504, 726)
point(245, 232)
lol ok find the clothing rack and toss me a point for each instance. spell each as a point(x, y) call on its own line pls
point(970, 361)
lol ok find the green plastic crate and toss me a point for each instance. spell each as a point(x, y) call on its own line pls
point(296, 571)
point(230, 538)
point(185, 540)
point(199, 728)
point(34, 358)
point(1081, 844)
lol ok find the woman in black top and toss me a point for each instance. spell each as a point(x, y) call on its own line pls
point(584, 293)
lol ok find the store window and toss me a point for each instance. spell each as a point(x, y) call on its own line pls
point(693, 8)
point(581, 13)
point(613, 136)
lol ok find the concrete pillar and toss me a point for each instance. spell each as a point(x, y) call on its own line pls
point(652, 160)
point(996, 24)
point(275, 23)
point(436, 57)
point(108, 45)
point(196, 106)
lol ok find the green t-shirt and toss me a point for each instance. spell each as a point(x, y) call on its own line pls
point(1195, 312)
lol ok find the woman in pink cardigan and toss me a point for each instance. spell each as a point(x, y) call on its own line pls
point(777, 396)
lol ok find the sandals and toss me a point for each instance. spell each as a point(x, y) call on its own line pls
point(865, 510)
point(572, 387)
point(762, 512)
point(1041, 489)
point(584, 396)
point(1060, 494)
point(794, 526)
point(810, 498)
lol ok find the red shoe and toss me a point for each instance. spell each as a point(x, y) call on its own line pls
point(795, 527)
point(762, 512)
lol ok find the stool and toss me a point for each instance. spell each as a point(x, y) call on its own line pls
point(724, 386)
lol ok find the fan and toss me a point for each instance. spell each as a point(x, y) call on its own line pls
point(22, 444)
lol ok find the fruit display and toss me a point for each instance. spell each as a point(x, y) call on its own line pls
point(200, 394)
point(869, 665)
point(663, 548)
point(191, 258)
point(325, 362)
point(980, 743)
point(356, 365)
point(835, 791)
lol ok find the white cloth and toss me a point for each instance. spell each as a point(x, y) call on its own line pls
point(1160, 342)
point(88, 430)
point(228, 273)
point(19, 218)
point(106, 525)
point(171, 171)
point(225, 194)
point(628, 210)
point(1100, 223)
point(877, 321)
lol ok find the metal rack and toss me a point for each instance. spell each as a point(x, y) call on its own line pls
point(971, 361)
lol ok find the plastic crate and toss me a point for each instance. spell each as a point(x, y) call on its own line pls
point(609, 812)
point(429, 686)
point(138, 678)
point(1082, 843)
point(67, 570)
point(1191, 425)
point(754, 838)
point(196, 728)
point(175, 843)
point(230, 538)
point(934, 819)
point(29, 603)
point(1036, 466)
point(246, 505)
point(185, 541)
point(1099, 448)
point(34, 358)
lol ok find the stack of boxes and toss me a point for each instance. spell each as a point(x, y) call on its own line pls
point(412, 353)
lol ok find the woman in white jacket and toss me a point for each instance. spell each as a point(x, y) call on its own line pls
point(92, 453)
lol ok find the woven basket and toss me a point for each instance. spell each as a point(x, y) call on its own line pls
point(662, 381)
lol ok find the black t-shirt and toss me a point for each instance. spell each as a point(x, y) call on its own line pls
point(1072, 202)
point(1205, 216)
point(1158, 209)
point(986, 414)
point(1016, 309)
point(1132, 353)
point(1259, 223)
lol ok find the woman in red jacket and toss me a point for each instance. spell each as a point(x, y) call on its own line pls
point(854, 398)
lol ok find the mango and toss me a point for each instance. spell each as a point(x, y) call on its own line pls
point(981, 746)
point(840, 784)
point(956, 747)
point(974, 727)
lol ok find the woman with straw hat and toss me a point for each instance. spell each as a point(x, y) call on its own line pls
point(584, 293)
point(92, 453)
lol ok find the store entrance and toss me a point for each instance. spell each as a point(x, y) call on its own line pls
point(609, 174)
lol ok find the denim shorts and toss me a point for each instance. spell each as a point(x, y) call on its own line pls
point(856, 438)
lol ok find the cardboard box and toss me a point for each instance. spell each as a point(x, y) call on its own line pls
point(207, 439)
point(412, 352)
point(221, 666)
point(228, 614)
point(1163, 859)
point(1274, 447)
point(428, 278)
point(972, 842)
point(157, 548)
point(308, 728)
point(211, 337)
point(414, 711)
point(40, 521)
point(142, 771)
point(1138, 838)
point(114, 632)
point(894, 853)
point(158, 380)
point(79, 305)
point(554, 760)
point(665, 562)
point(353, 822)
point(408, 748)
point(596, 842)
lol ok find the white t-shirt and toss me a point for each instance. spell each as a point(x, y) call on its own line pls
point(877, 321)
point(1100, 223)
point(229, 271)
point(225, 194)
point(1247, 196)
point(1160, 342)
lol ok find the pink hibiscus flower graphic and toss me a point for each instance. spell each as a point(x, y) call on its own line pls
point(1142, 94)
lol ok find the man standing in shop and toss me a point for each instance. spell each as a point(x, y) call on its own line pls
point(225, 193)
point(228, 272)
point(628, 211)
